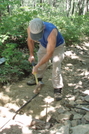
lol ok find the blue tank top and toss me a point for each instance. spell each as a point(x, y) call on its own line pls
point(48, 29)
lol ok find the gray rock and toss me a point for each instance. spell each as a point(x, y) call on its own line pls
point(74, 123)
point(77, 116)
point(78, 101)
point(65, 116)
point(61, 110)
point(63, 130)
point(58, 129)
point(83, 112)
point(86, 117)
point(83, 120)
point(80, 129)
point(86, 98)
point(67, 122)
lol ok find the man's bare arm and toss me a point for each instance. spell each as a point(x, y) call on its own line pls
point(30, 43)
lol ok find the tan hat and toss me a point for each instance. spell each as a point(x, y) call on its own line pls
point(36, 29)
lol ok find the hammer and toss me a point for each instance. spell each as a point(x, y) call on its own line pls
point(39, 84)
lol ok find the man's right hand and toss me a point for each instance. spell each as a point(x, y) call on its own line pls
point(31, 58)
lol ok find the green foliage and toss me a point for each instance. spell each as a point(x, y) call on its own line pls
point(86, 24)
point(73, 28)
point(70, 30)
point(13, 34)
point(16, 65)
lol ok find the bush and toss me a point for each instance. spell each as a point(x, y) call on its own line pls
point(16, 65)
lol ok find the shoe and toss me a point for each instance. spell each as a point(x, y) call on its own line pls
point(57, 94)
point(33, 81)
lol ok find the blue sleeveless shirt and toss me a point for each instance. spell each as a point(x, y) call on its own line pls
point(48, 29)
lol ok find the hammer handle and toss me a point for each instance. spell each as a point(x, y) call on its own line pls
point(36, 78)
point(33, 64)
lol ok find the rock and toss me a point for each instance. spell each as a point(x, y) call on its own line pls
point(83, 112)
point(57, 129)
point(61, 110)
point(74, 123)
point(38, 124)
point(65, 116)
point(86, 98)
point(77, 94)
point(83, 120)
point(67, 122)
point(79, 122)
point(80, 129)
point(86, 117)
point(75, 91)
point(72, 102)
point(78, 101)
point(63, 130)
point(77, 116)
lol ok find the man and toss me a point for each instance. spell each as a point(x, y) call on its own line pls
point(51, 46)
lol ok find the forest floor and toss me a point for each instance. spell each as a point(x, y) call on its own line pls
point(75, 71)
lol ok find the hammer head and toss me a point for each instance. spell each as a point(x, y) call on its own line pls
point(38, 87)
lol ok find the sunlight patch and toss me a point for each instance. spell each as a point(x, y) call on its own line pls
point(68, 53)
point(4, 98)
point(7, 88)
point(56, 58)
point(49, 99)
point(86, 73)
point(86, 92)
point(71, 84)
point(79, 84)
point(26, 130)
point(87, 44)
point(47, 110)
point(20, 86)
point(11, 106)
point(72, 98)
point(71, 54)
point(74, 57)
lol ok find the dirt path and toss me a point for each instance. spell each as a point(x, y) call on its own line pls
point(75, 69)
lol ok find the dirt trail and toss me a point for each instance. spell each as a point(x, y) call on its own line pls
point(75, 70)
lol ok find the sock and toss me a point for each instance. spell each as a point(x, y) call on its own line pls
point(39, 79)
point(57, 90)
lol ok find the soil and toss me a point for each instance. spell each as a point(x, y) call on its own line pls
point(75, 71)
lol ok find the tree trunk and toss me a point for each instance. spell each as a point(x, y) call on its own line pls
point(80, 7)
point(67, 7)
point(8, 9)
point(85, 7)
point(54, 3)
point(71, 8)
point(50, 2)
point(0, 15)
point(40, 3)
